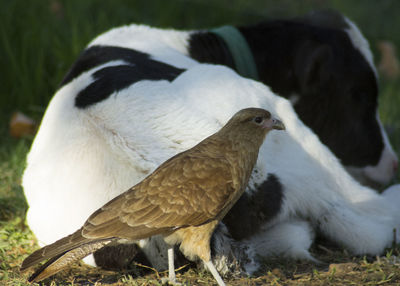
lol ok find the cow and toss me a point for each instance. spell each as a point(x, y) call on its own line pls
point(138, 95)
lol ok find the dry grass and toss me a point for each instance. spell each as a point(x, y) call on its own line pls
point(337, 267)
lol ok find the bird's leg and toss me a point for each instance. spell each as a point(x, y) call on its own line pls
point(171, 268)
point(214, 272)
point(171, 265)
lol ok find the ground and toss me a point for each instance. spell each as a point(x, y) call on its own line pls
point(337, 267)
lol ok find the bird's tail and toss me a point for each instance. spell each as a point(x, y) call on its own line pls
point(60, 254)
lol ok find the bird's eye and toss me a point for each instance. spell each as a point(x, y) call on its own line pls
point(257, 119)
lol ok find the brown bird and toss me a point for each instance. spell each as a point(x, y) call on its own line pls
point(183, 199)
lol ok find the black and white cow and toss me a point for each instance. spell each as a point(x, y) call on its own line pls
point(138, 95)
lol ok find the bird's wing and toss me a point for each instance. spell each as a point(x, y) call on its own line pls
point(187, 190)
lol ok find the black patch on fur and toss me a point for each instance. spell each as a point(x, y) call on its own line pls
point(93, 57)
point(125, 256)
point(313, 58)
point(139, 66)
point(119, 256)
point(337, 88)
point(252, 211)
point(208, 47)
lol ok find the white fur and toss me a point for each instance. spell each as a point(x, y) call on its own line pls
point(290, 238)
point(383, 172)
point(82, 158)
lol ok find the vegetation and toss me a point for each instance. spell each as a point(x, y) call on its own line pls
point(39, 40)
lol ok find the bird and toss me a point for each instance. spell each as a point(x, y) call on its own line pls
point(183, 200)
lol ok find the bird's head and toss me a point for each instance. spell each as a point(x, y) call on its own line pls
point(252, 123)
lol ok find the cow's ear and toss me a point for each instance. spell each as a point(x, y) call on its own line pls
point(312, 66)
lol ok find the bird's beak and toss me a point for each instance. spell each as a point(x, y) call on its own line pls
point(274, 123)
point(277, 124)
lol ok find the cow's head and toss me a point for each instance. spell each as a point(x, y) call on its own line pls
point(323, 64)
point(339, 97)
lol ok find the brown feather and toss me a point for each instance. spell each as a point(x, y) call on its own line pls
point(163, 201)
point(60, 262)
point(60, 246)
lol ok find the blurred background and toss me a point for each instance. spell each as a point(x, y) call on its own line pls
point(40, 39)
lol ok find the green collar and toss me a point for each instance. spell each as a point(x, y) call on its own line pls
point(240, 50)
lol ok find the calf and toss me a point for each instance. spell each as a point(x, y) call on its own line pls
point(138, 95)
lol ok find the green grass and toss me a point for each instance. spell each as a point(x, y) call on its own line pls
point(389, 108)
point(39, 40)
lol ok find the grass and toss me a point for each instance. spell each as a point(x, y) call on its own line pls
point(39, 40)
point(389, 111)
